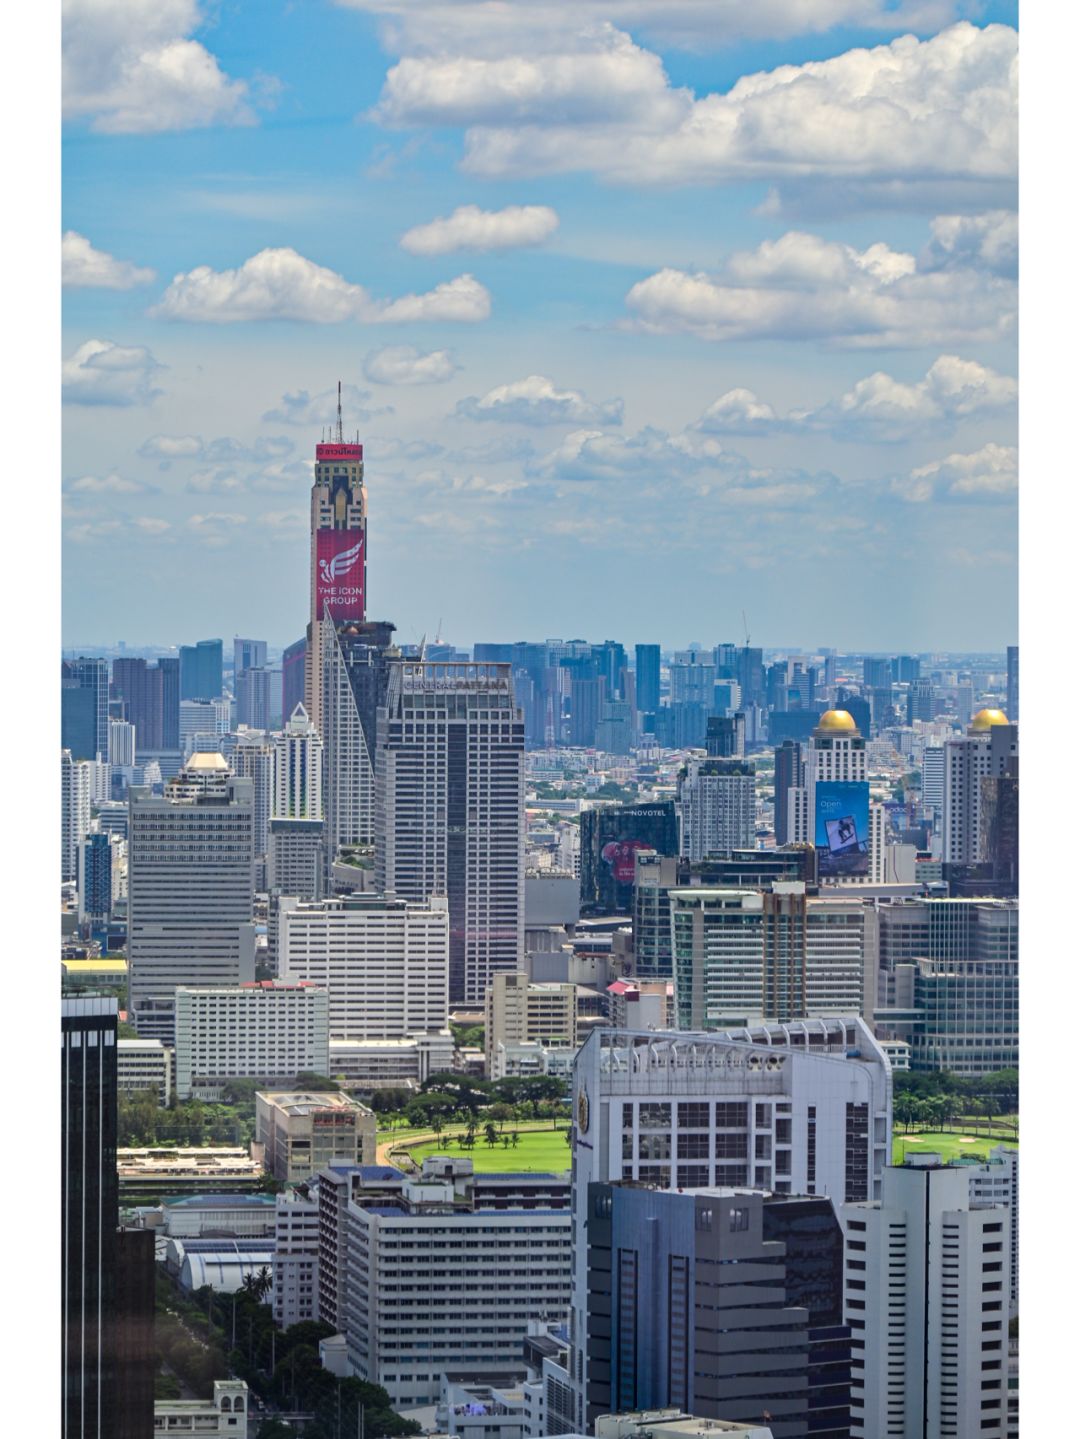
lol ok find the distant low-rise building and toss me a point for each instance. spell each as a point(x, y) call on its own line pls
point(305, 1131)
point(144, 1064)
point(225, 1414)
point(517, 1012)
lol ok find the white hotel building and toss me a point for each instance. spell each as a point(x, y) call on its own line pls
point(383, 962)
point(260, 1030)
point(798, 1108)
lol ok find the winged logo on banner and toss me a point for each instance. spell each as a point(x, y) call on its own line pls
point(331, 570)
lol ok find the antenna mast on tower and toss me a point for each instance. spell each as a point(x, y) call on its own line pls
point(340, 437)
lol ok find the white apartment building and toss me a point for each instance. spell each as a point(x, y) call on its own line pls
point(144, 1064)
point(190, 890)
point(121, 744)
point(449, 808)
point(296, 1260)
point(926, 1293)
point(298, 770)
point(74, 813)
point(798, 1108)
point(264, 1030)
point(984, 751)
point(383, 962)
point(517, 1012)
point(740, 956)
point(716, 807)
point(997, 1181)
point(440, 1279)
point(203, 717)
point(253, 757)
point(390, 1062)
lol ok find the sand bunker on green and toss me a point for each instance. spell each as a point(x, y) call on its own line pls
point(949, 1146)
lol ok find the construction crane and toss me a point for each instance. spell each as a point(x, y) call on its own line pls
point(746, 630)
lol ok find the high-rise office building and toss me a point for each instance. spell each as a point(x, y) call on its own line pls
point(906, 669)
point(84, 707)
point(253, 698)
point(248, 655)
point(89, 1210)
point(1012, 683)
point(832, 810)
point(449, 803)
point(169, 669)
point(253, 758)
point(74, 812)
point(949, 972)
point(190, 889)
point(927, 1298)
point(338, 551)
point(121, 753)
point(725, 736)
point(802, 1108)
point(201, 667)
point(100, 859)
point(587, 694)
point(358, 657)
point(985, 751)
point(647, 678)
point(789, 773)
point(716, 807)
point(140, 686)
point(922, 701)
point(293, 666)
point(610, 838)
point(655, 876)
point(723, 1303)
point(741, 956)
point(877, 673)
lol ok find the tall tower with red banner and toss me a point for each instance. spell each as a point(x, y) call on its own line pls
point(338, 551)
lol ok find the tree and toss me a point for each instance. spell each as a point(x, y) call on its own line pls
point(515, 1138)
point(491, 1135)
point(437, 1125)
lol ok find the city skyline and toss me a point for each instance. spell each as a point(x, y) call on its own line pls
point(667, 376)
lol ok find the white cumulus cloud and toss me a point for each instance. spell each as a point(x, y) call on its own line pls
point(536, 401)
point(84, 267)
point(131, 67)
point(802, 287)
point(991, 241)
point(405, 365)
point(226, 450)
point(877, 408)
point(470, 228)
point(283, 285)
point(481, 26)
point(103, 373)
point(909, 111)
point(111, 484)
point(990, 474)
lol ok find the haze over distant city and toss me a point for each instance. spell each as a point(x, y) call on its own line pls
point(643, 319)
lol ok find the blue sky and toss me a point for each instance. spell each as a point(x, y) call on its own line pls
point(716, 320)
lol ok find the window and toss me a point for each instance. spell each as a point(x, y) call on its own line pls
point(739, 1220)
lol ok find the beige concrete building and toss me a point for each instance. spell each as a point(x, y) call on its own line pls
point(304, 1132)
point(517, 1012)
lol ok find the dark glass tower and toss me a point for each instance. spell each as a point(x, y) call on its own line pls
point(85, 707)
point(647, 678)
point(88, 1215)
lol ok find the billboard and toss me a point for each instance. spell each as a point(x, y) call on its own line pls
point(339, 556)
point(619, 855)
point(842, 828)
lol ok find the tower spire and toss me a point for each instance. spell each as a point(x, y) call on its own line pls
point(340, 436)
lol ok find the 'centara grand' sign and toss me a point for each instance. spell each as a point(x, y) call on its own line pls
point(339, 556)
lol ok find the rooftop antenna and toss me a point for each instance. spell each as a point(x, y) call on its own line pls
point(340, 437)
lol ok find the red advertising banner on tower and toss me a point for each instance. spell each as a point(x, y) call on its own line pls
point(339, 556)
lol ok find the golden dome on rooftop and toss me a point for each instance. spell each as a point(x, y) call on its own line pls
point(987, 719)
point(836, 722)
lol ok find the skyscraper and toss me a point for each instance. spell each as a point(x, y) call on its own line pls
point(927, 1299)
point(84, 707)
point(248, 655)
point(292, 676)
point(719, 1302)
point(190, 889)
point(1012, 683)
point(986, 749)
point(358, 656)
point(449, 802)
point(200, 670)
point(253, 698)
point(169, 667)
point(647, 678)
point(74, 812)
point(716, 807)
point(89, 1205)
point(610, 838)
point(296, 856)
point(139, 685)
point(338, 551)
point(789, 773)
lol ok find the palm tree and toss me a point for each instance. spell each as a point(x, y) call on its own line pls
point(437, 1125)
point(515, 1138)
point(491, 1134)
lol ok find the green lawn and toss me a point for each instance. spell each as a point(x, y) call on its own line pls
point(949, 1146)
point(538, 1149)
